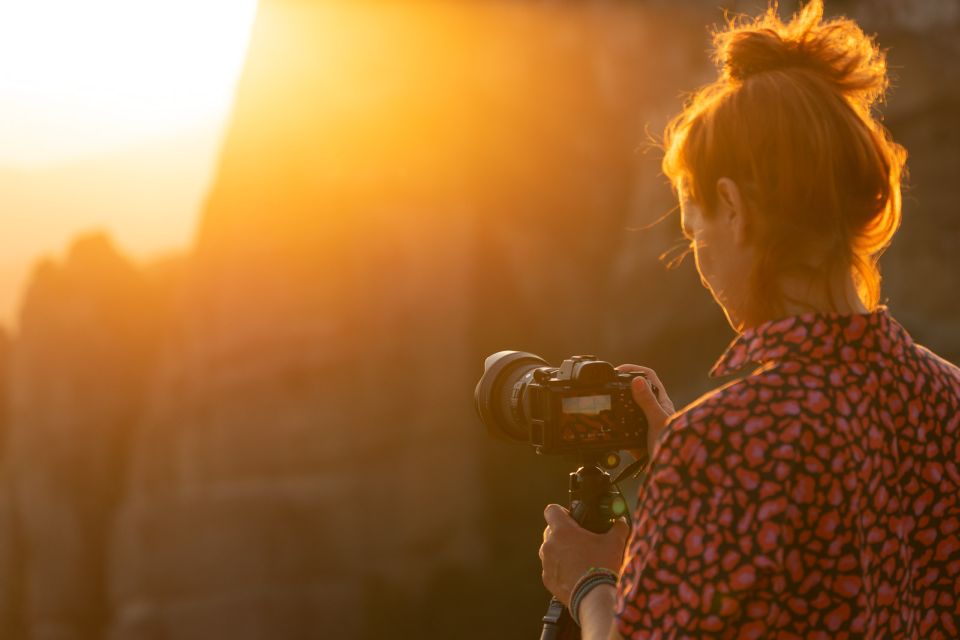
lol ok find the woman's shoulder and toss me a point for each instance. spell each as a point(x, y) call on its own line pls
point(938, 365)
point(708, 426)
point(742, 422)
point(733, 403)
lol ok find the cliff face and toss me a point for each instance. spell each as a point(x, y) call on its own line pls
point(298, 424)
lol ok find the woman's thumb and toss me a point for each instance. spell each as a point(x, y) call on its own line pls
point(643, 396)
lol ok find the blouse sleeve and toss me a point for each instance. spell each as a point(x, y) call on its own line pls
point(704, 540)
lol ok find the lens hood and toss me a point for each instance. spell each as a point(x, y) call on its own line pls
point(492, 395)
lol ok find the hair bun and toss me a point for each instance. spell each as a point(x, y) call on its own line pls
point(836, 50)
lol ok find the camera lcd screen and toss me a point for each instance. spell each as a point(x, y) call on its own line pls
point(586, 405)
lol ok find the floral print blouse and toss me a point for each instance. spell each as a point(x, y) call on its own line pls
point(817, 497)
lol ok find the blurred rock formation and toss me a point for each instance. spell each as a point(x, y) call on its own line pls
point(274, 437)
point(78, 371)
point(11, 576)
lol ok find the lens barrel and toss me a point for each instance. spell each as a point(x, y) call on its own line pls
point(501, 372)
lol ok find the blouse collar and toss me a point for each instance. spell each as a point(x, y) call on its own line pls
point(814, 336)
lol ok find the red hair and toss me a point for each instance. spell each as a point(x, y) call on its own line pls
point(789, 121)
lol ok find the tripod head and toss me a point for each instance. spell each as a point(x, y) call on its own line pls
point(594, 502)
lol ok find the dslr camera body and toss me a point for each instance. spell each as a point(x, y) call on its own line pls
point(583, 407)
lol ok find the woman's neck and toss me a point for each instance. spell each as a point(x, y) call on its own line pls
point(804, 296)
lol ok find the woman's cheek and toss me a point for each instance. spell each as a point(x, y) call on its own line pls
point(704, 266)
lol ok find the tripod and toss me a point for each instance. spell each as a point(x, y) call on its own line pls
point(594, 504)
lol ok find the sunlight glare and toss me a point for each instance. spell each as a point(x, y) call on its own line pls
point(79, 77)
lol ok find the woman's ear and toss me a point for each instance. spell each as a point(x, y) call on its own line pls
point(732, 209)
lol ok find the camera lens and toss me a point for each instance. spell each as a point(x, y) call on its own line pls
point(501, 372)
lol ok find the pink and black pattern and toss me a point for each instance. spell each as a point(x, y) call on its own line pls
point(815, 498)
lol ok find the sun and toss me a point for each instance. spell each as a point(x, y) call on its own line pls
point(79, 76)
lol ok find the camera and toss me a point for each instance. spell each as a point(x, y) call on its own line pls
point(583, 407)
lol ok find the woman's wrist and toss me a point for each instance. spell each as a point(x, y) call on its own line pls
point(597, 612)
point(592, 578)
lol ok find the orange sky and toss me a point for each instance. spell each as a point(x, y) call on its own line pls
point(111, 114)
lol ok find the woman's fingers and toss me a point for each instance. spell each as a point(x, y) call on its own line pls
point(569, 550)
point(652, 398)
point(656, 415)
point(661, 393)
point(644, 397)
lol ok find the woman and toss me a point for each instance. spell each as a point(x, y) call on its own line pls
point(816, 495)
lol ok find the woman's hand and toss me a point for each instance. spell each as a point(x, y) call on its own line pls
point(569, 550)
point(656, 406)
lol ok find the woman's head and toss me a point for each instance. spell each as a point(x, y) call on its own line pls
point(784, 176)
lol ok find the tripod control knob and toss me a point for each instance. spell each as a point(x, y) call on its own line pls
point(611, 461)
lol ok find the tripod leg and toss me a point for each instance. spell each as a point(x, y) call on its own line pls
point(557, 623)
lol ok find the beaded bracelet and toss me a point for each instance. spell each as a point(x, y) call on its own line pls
point(590, 579)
